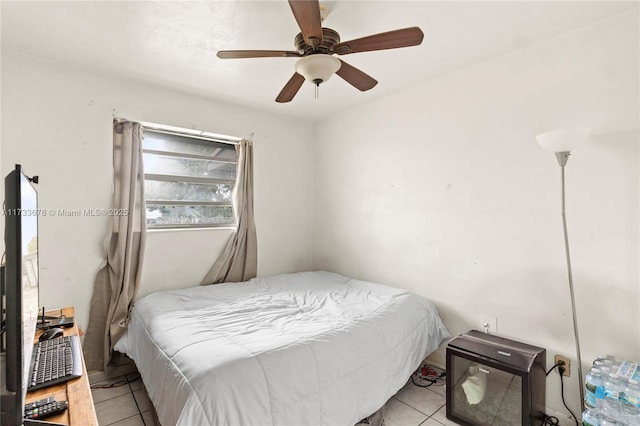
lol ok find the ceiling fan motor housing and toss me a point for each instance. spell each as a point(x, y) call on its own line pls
point(329, 39)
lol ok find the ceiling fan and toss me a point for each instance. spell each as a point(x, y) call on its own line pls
point(316, 46)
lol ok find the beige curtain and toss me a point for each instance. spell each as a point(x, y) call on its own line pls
point(239, 260)
point(118, 279)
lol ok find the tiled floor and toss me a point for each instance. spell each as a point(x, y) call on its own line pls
point(413, 406)
point(126, 404)
point(129, 405)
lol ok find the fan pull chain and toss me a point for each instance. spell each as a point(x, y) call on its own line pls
point(317, 82)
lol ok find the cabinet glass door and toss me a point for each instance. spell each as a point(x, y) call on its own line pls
point(484, 395)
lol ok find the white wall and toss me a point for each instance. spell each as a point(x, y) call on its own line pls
point(57, 123)
point(443, 190)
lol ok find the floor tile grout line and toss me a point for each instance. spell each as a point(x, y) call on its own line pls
point(107, 383)
point(434, 391)
point(124, 418)
point(110, 381)
point(136, 401)
point(434, 419)
point(430, 418)
point(109, 399)
point(419, 411)
point(130, 392)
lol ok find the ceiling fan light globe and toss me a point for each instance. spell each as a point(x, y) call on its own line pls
point(317, 67)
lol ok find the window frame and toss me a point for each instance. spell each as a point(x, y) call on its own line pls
point(191, 134)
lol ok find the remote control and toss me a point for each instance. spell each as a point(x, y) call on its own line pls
point(39, 403)
point(46, 410)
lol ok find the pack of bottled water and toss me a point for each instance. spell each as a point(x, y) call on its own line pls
point(612, 393)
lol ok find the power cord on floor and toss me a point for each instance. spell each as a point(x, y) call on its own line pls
point(117, 384)
point(552, 420)
point(562, 394)
point(430, 374)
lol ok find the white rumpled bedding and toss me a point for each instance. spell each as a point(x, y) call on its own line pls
point(312, 348)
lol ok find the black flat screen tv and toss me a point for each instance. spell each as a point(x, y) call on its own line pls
point(20, 301)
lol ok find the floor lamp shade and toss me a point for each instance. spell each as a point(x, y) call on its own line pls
point(565, 140)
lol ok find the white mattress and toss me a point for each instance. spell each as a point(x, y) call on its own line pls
point(312, 348)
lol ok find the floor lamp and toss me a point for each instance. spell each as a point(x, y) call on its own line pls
point(561, 143)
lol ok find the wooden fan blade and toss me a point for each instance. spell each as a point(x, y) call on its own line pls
point(307, 14)
point(237, 54)
point(358, 79)
point(290, 89)
point(390, 40)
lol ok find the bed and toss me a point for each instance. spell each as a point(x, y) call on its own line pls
point(312, 348)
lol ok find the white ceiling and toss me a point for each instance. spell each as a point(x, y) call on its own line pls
point(173, 43)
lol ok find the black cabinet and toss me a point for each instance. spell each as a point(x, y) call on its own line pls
point(494, 381)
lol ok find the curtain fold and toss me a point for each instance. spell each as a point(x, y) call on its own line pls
point(239, 260)
point(118, 279)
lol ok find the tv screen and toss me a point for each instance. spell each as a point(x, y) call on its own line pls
point(21, 287)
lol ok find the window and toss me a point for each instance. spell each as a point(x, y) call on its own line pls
point(188, 180)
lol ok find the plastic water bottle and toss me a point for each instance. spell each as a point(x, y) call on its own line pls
point(603, 358)
point(606, 421)
point(593, 381)
point(589, 418)
point(630, 402)
point(612, 389)
point(599, 358)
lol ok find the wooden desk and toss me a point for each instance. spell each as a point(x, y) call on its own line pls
point(77, 392)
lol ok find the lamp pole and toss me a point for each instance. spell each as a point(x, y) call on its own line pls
point(562, 160)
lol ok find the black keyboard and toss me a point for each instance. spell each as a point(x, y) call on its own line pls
point(55, 361)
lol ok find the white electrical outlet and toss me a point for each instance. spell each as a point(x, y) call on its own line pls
point(488, 324)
